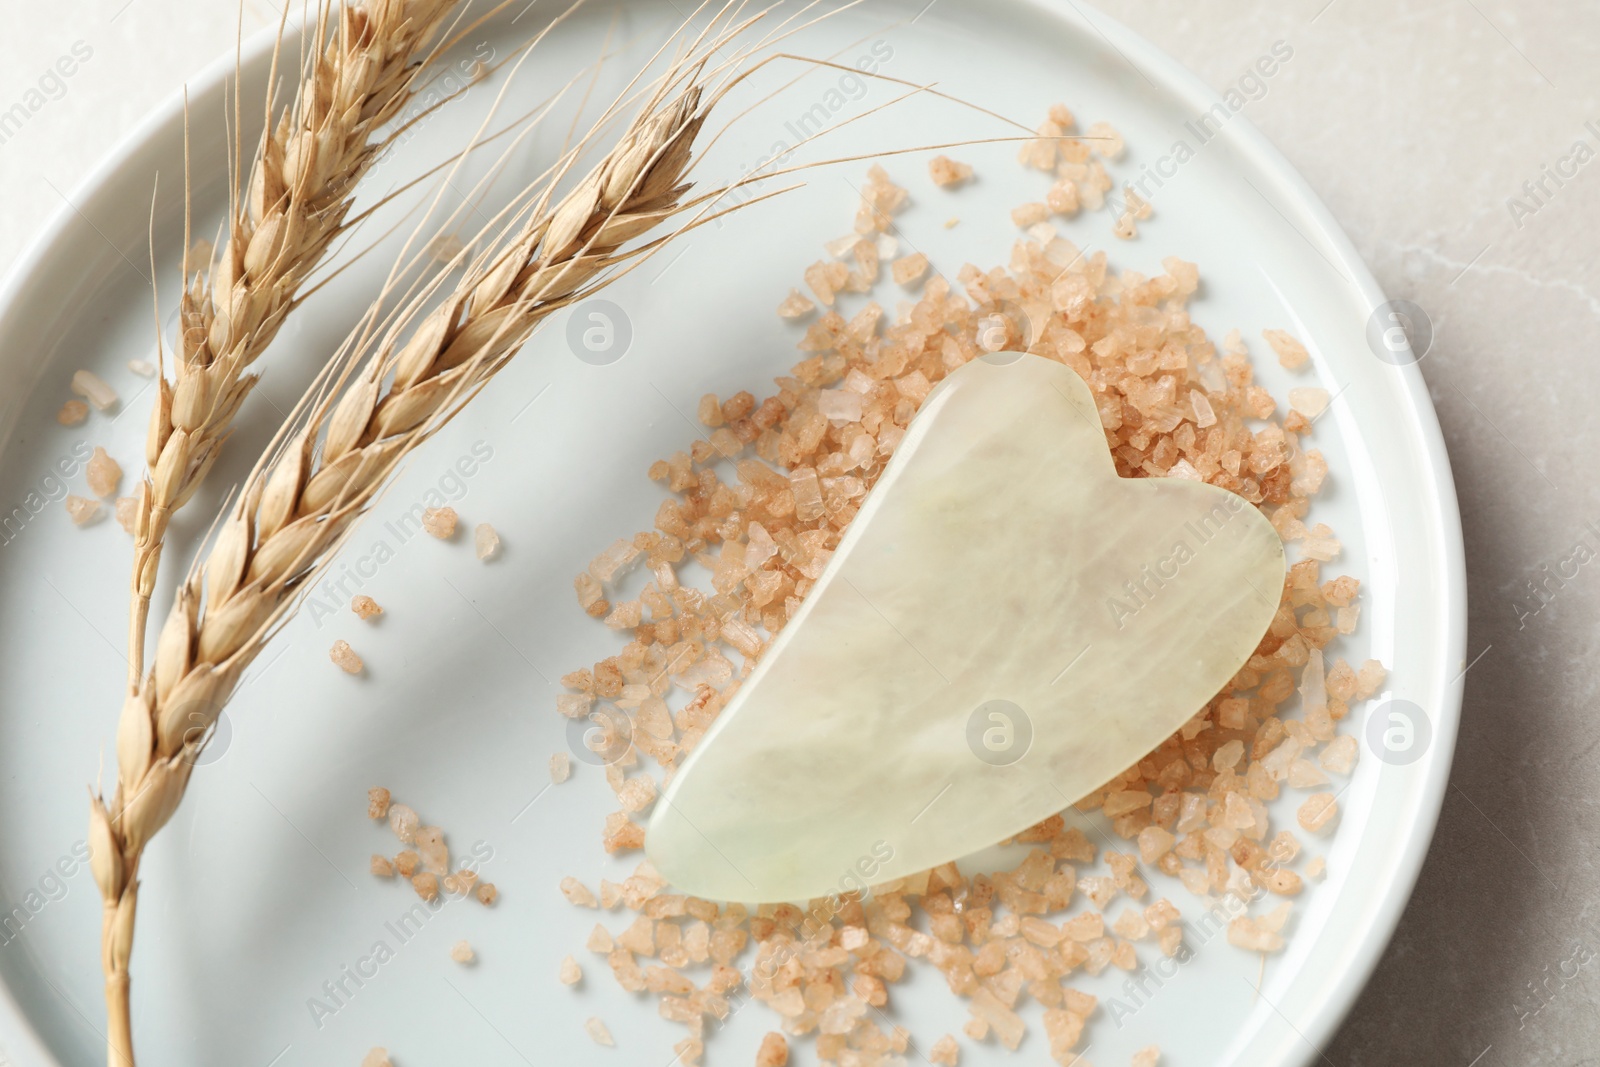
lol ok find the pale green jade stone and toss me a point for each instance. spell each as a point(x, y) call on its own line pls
point(1005, 626)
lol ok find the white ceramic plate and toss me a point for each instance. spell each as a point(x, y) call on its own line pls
point(256, 894)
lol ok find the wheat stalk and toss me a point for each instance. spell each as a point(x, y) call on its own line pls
point(301, 187)
point(361, 418)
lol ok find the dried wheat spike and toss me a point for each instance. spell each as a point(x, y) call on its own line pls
point(300, 189)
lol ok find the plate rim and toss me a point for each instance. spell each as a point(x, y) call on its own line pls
point(28, 1049)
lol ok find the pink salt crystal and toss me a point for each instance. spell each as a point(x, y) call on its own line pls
point(365, 607)
point(1317, 812)
point(1105, 140)
point(485, 541)
point(574, 705)
point(577, 893)
point(1124, 227)
point(774, 1051)
point(1227, 756)
point(909, 269)
point(487, 894)
point(1340, 756)
point(945, 1052)
point(1154, 842)
point(426, 885)
point(142, 367)
point(570, 973)
point(637, 794)
point(1345, 618)
point(1131, 925)
point(1249, 934)
point(600, 940)
point(598, 1033)
point(440, 522)
point(839, 405)
point(1148, 1056)
point(947, 172)
point(103, 473)
point(1370, 679)
point(377, 802)
point(376, 1057)
point(1007, 1024)
point(127, 512)
point(1204, 415)
point(72, 413)
point(613, 561)
point(344, 657)
point(1309, 400)
point(1317, 867)
point(1303, 774)
point(403, 821)
point(462, 952)
point(560, 767)
point(89, 385)
point(1291, 353)
point(380, 866)
point(807, 494)
point(1025, 215)
point(82, 510)
point(795, 305)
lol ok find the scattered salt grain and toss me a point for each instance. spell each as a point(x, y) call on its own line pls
point(909, 269)
point(82, 510)
point(142, 367)
point(89, 385)
point(345, 658)
point(1291, 353)
point(406, 861)
point(433, 850)
point(1341, 754)
point(947, 172)
point(795, 305)
point(598, 1032)
point(487, 894)
point(377, 802)
point(440, 522)
point(403, 822)
point(376, 1057)
point(381, 866)
point(72, 413)
point(1252, 936)
point(486, 541)
point(1309, 401)
point(365, 607)
point(577, 893)
point(127, 513)
point(427, 886)
point(1317, 868)
point(945, 1052)
point(613, 561)
point(560, 767)
point(1317, 812)
point(570, 973)
point(774, 1051)
point(462, 952)
point(1148, 1056)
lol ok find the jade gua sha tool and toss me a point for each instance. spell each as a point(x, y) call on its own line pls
point(1005, 626)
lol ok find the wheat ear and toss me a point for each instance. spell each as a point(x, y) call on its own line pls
point(300, 189)
point(301, 501)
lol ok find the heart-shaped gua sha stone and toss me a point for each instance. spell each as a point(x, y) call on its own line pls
point(1005, 626)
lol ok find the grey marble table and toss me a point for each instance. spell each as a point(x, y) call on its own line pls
point(1444, 135)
